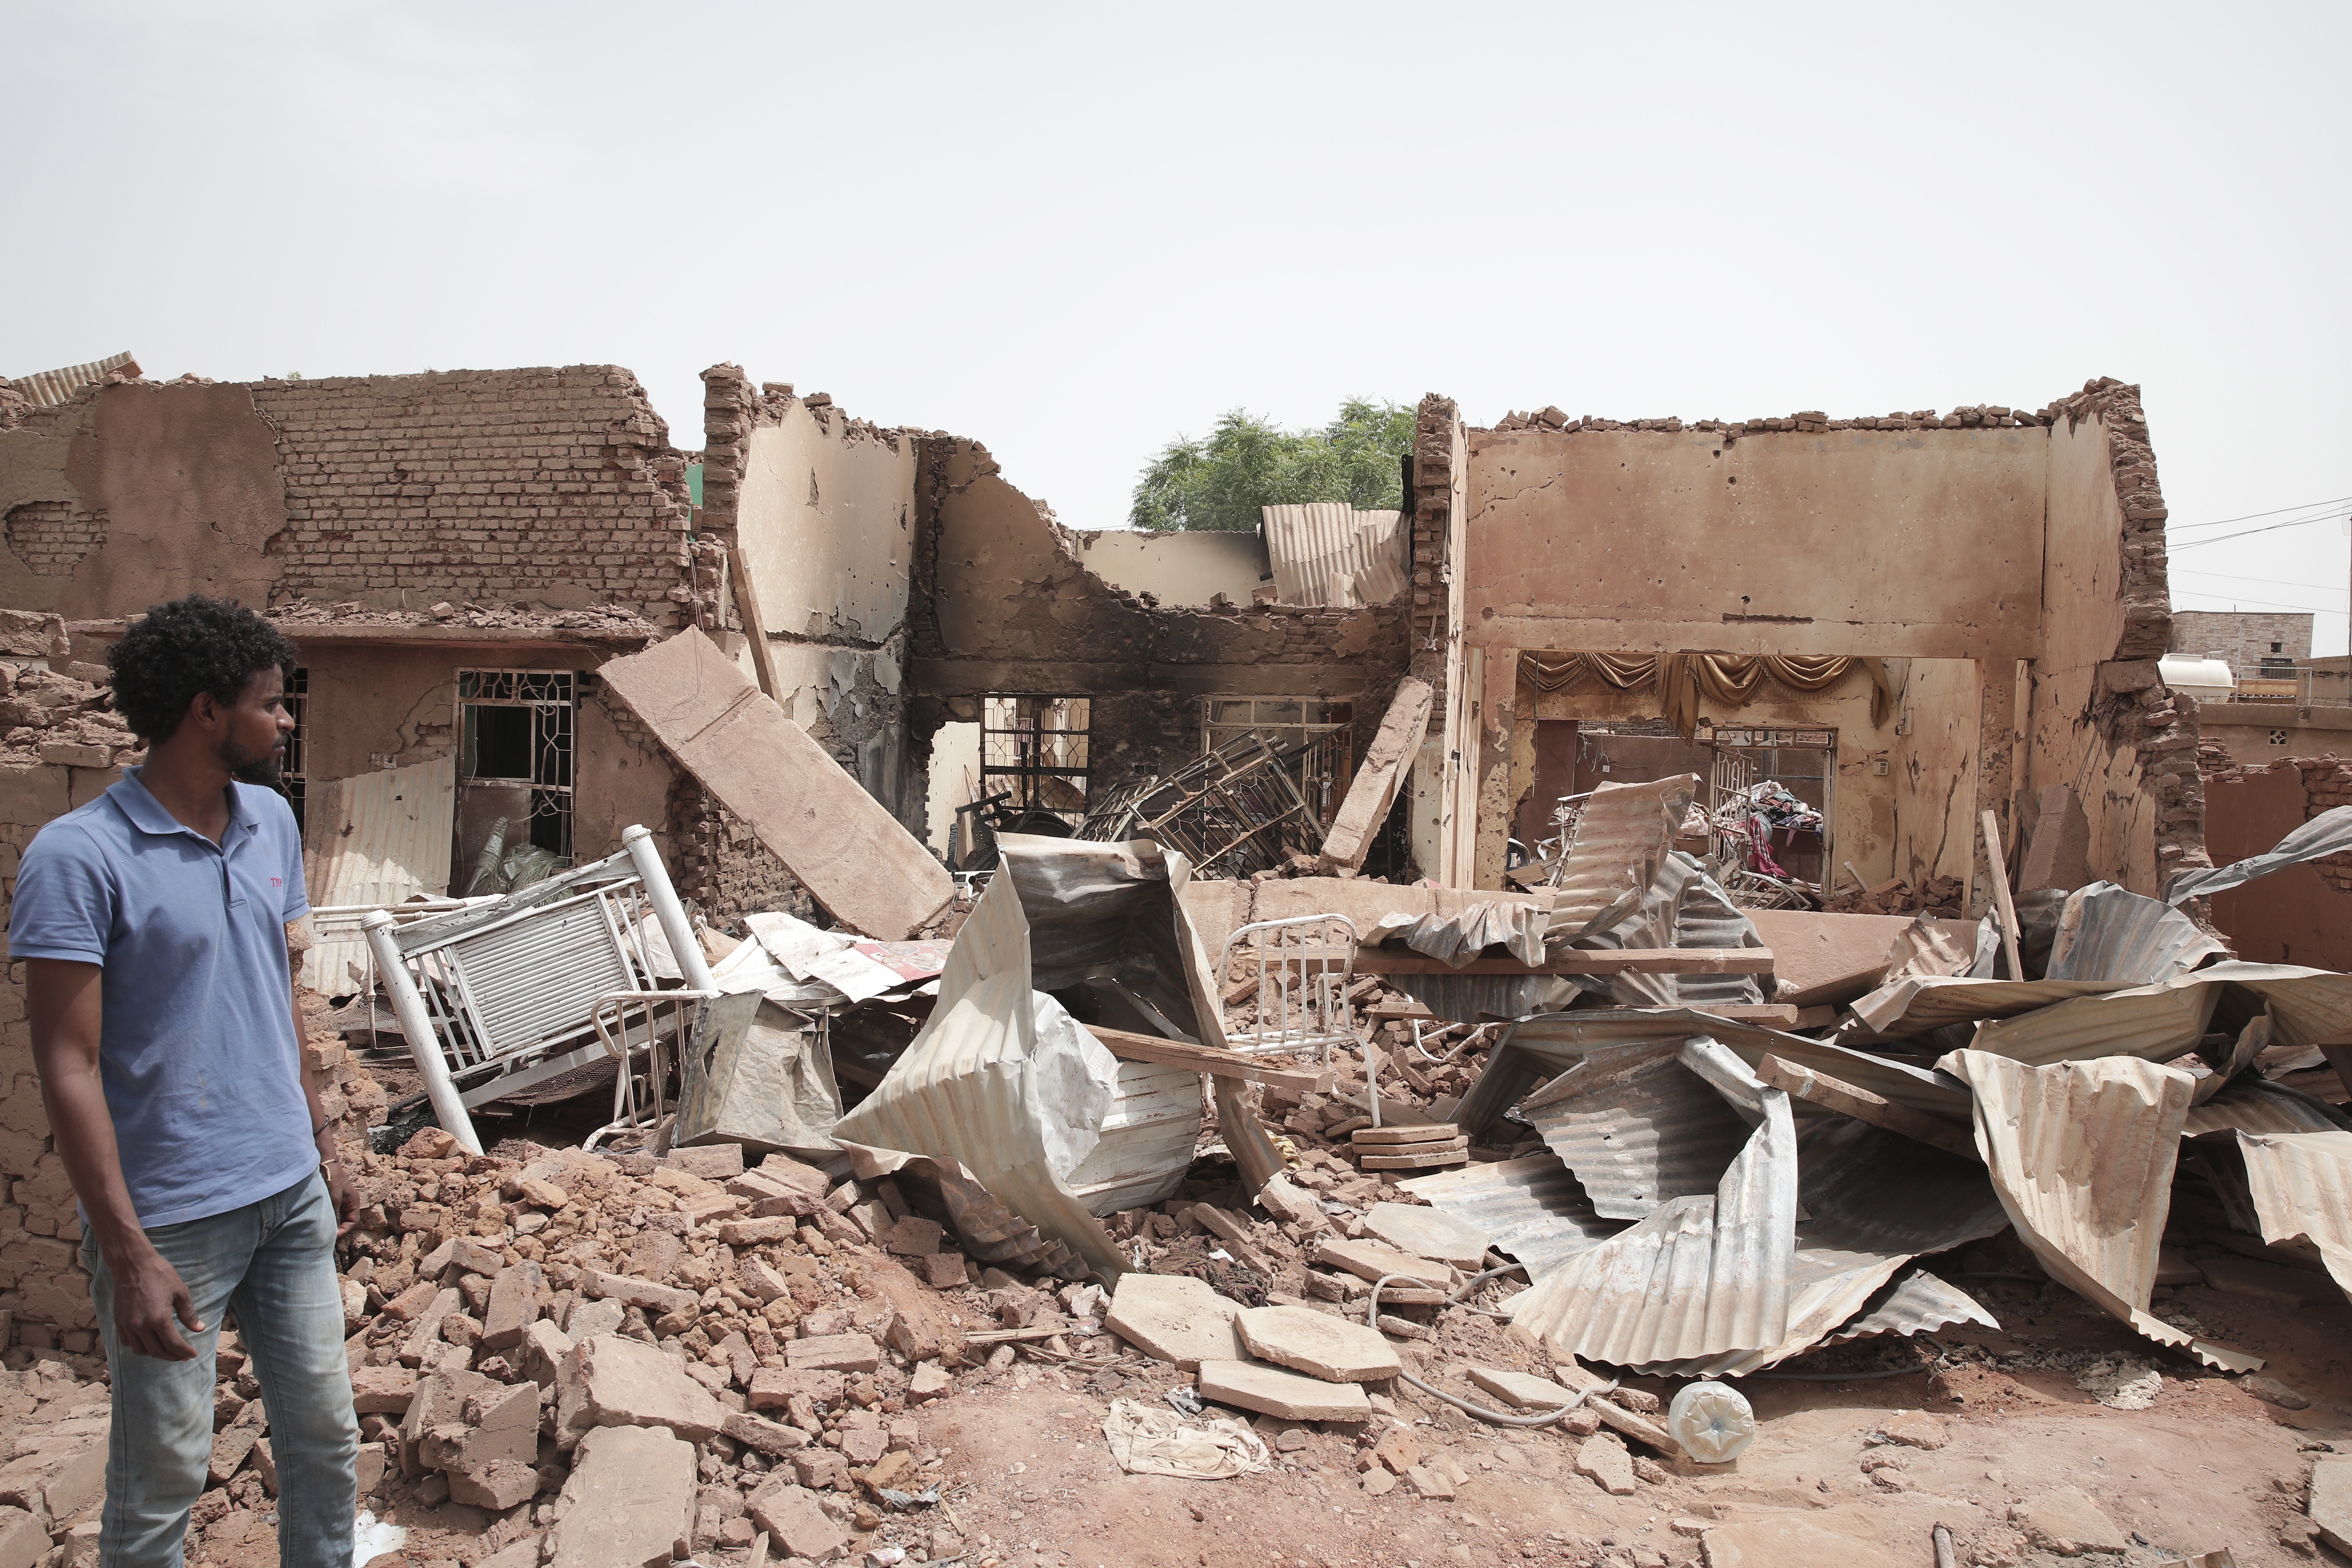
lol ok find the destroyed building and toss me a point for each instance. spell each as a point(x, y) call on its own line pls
point(1517, 1057)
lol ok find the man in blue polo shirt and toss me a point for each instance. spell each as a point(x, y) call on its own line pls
point(151, 924)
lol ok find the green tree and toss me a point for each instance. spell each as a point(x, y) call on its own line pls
point(1248, 462)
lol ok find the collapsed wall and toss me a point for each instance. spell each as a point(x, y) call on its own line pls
point(1003, 604)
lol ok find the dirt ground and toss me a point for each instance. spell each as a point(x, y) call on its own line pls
point(1028, 1481)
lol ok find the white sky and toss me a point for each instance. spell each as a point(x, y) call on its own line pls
point(1074, 232)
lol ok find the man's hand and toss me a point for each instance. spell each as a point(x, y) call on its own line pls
point(346, 1198)
point(148, 1297)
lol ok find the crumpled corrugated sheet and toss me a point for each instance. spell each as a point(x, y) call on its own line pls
point(2329, 833)
point(1918, 1303)
point(1621, 841)
point(2301, 1187)
point(1517, 925)
point(1682, 906)
point(2082, 1153)
point(2162, 1021)
point(2107, 932)
point(1534, 1209)
point(2256, 1104)
point(1637, 1128)
point(1700, 1277)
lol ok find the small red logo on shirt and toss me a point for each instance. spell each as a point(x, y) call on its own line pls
point(277, 881)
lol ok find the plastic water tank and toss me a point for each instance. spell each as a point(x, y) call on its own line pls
point(2207, 679)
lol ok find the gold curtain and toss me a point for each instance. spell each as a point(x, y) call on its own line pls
point(1729, 679)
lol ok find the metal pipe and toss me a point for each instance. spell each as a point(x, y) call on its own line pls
point(408, 1006)
point(691, 962)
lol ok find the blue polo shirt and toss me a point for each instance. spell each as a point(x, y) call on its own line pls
point(197, 1051)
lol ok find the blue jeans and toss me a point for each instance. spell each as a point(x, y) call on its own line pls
point(273, 1263)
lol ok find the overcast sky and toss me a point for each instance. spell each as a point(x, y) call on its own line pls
point(1074, 233)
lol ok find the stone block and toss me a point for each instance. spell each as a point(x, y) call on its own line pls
point(1292, 1204)
point(541, 1350)
point(1270, 1391)
point(1398, 1450)
point(383, 1390)
point(475, 1257)
point(589, 1317)
point(921, 1326)
point(1429, 1233)
point(496, 1487)
point(1916, 1429)
point(1376, 1260)
point(514, 1305)
point(833, 1352)
point(822, 1469)
point(914, 1237)
point(796, 1522)
point(660, 1299)
point(2331, 1499)
point(24, 1540)
point(945, 1271)
point(1520, 1390)
point(758, 1232)
point(710, 1162)
point(1305, 1340)
point(608, 1381)
point(2065, 1521)
point(629, 1502)
point(1791, 1543)
point(929, 1383)
point(1605, 1458)
point(1175, 1318)
point(772, 1438)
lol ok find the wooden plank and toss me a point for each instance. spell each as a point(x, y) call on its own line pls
point(1373, 789)
point(1771, 1014)
point(1576, 961)
point(747, 607)
point(1208, 1059)
point(2000, 894)
point(1404, 1011)
point(1863, 1106)
point(1432, 1133)
point(1424, 1157)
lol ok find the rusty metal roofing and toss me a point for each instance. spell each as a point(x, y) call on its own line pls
point(1918, 1303)
point(1328, 552)
point(1917, 1004)
point(48, 387)
point(1702, 1276)
point(2327, 833)
point(1637, 1128)
point(1534, 1209)
point(2302, 1186)
point(1538, 1049)
point(2082, 1153)
point(2252, 1104)
point(1873, 1200)
point(1682, 906)
point(2107, 932)
point(2160, 1022)
point(1621, 841)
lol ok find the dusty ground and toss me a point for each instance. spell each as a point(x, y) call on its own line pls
point(1028, 1482)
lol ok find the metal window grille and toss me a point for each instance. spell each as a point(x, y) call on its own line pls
point(293, 771)
point(1034, 750)
point(1303, 966)
point(1235, 811)
point(515, 734)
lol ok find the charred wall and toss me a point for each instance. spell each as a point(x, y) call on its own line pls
point(1003, 604)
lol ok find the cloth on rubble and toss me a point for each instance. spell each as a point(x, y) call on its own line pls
point(1148, 1442)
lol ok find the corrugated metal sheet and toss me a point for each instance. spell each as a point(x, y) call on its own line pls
point(1534, 1209)
point(2107, 932)
point(2329, 833)
point(1682, 906)
point(1479, 998)
point(2302, 1186)
point(49, 387)
point(1918, 1004)
point(2159, 1022)
point(1147, 1140)
point(1328, 552)
point(1538, 1049)
point(1621, 841)
point(1637, 1128)
point(1519, 924)
point(1700, 1277)
point(2082, 1153)
point(2259, 1105)
point(1918, 1303)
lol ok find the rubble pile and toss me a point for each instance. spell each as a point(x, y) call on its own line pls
point(1938, 895)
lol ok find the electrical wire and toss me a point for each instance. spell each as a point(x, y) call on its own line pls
point(1497, 1417)
point(2274, 511)
point(2247, 533)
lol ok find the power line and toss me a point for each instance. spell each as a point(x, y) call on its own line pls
point(2266, 604)
point(2274, 582)
point(2243, 534)
point(2222, 522)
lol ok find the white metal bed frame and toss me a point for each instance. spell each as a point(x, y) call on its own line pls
point(1304, 964)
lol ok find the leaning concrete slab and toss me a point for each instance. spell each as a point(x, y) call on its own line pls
point(1373, 790)
point(1290, 1395)
point(1319, 1344)
point(854, 858)
point(1429, 1233)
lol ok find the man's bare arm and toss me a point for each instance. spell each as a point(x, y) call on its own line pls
point(63, 999)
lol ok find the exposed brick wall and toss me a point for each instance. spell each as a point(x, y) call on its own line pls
point(554, 488)
point(2241, 638)
point(2327, 784)
point(51, 536)
point(1432, 521)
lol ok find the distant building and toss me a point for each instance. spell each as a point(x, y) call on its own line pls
point(2256, 647)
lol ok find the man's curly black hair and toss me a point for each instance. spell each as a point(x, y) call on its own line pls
point(189, 646)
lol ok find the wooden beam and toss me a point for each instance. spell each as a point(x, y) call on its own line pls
point(1999, 865)
point(1576, 961)
point(747, 607)
point(1208, 1059)
point(1863, 1106)
point(1771, 1014)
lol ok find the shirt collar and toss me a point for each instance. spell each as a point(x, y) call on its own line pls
point(132, 798)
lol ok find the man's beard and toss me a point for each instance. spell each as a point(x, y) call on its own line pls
point(250, 767)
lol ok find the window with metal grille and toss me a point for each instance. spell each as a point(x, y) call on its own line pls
point(292, 770)
point(1033, 749)
point(1317, 726)
point(514, 771)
